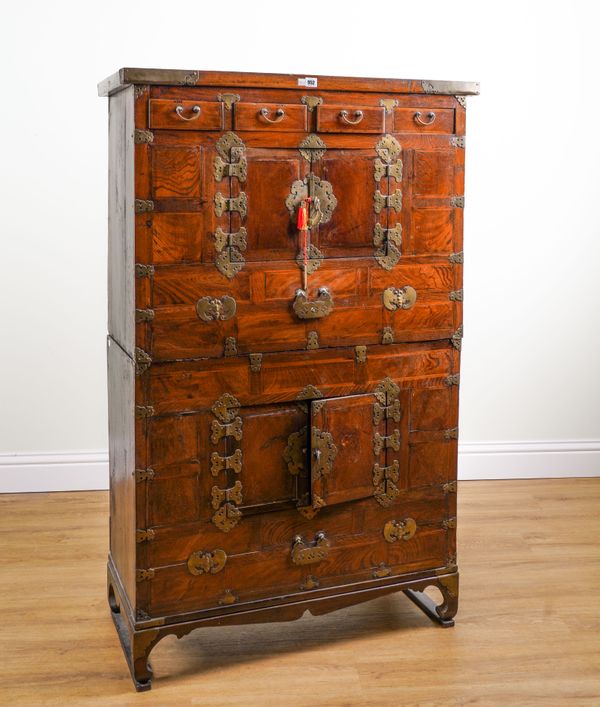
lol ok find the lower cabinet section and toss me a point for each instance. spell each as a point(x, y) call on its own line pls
point(245, 495)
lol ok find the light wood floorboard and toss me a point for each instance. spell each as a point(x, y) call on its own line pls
point(527, 632)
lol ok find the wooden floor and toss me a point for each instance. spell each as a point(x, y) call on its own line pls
point(527, 632)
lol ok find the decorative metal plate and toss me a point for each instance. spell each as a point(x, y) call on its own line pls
point(319, 189)
point(388, 148)
point(311, 102)
point(315, 309)
point(294, 453)
point(226, 142)
point(314, 259)
point(386, 391)
point(204, 562)
point(399, 298)
point(304, 554)
point(219, 463)
point(312, 148)
point(324, 453)
point(309, 392)
point(395, 530)
point(227, 517)
point(233, 429)
point(226, 407)
point(211, 309)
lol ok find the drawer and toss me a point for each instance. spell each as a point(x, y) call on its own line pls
point(350, 119)
point(341, 555)
point(424, 120)
point(282, 117)
point(185, 115)
point(355, 301)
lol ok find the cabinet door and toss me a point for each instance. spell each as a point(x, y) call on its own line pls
point(341, 449)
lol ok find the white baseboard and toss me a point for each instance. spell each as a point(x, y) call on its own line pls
point(88, 471)
point(528, 460)
point(53, 471)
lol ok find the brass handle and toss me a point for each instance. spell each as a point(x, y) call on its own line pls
point(358, 116)
point(399, 298)
point(430, 116)
point(279, 115)
point(316, 309)
point(195, 109)
point(303, 554)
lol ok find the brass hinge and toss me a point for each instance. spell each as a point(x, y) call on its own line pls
point(449, 523)
point(392, 411)
point(387, 201)
point(458, 202)
point(231, 429)
point(224, 204)
point(382, 170)
point(387, 336)
point(457, 258)
point(449, 487)
point(311, 102)
point(458, 141)
point(456, 338)
point(220, 496)
point(389, 104)
point(143, 361)
point(230, 346)
point(255, 362)
point(228, 99)
point(144, 315)
point(360, 354)
point(385, 480)
point(141, 137)
point(381, 442)
point(143, 475)
point(144, 411)
point(451, 433)
point(219, 463)
point(143, 205)
point(455, 296)
point(144, 535)
point(452, 379)
point(142, 270)
point(142, 575)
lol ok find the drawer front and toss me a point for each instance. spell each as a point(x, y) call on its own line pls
point(285, 554)
point(424, 120)
point(350, 119)
point(195, 310)
point(185, 115)
point(270, 116)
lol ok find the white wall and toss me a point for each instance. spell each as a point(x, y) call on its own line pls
point(530, 396)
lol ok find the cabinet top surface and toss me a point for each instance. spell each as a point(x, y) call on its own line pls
point(178, 77)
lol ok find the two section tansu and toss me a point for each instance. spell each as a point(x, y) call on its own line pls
point(285, 327)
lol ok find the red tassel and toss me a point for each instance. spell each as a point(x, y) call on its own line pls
point(303, 217)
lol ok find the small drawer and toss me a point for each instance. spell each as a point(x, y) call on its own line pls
point(426, 120)
point(270, 116)
point(186, 115)
point(350, 119)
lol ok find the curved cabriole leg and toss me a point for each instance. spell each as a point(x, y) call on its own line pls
point(141, 670)
point(445, 612)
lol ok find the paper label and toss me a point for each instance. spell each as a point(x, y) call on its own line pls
point(308, 81)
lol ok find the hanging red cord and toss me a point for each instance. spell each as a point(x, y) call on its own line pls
point(303, 229)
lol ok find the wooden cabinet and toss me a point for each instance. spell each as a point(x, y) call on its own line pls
point(282, 401)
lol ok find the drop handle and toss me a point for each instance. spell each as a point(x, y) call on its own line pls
point(430, 118)
point(196, 110)
point(279, 115)
point(358, 116)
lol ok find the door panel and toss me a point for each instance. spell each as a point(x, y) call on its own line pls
point(271, 228)
point(341, 449)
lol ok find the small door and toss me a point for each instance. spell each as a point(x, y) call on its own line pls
point(341, 449)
